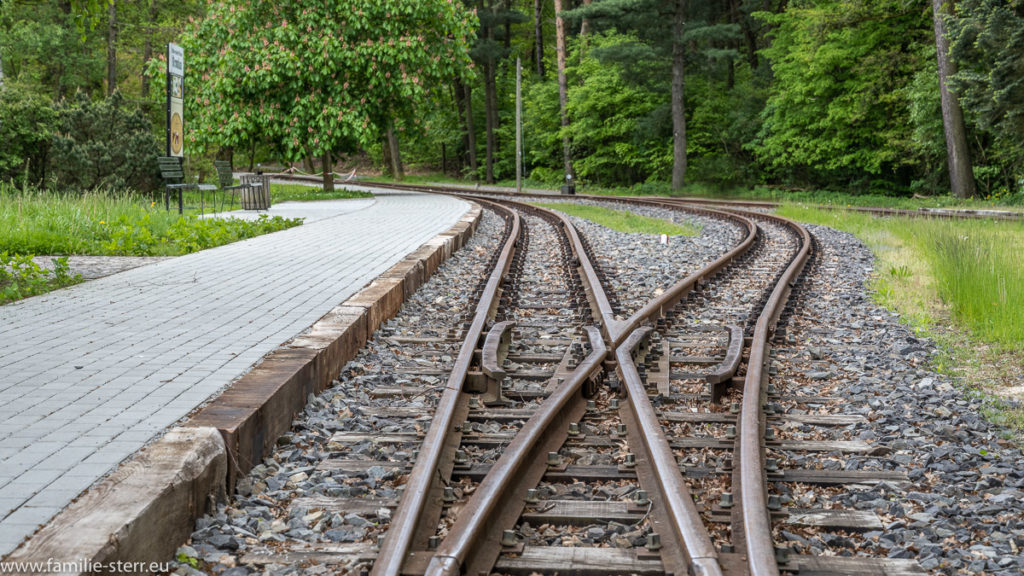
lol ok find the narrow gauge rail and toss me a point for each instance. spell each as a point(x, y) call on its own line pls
point(462, 514)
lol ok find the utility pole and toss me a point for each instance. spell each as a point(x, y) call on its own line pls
point(519, 126)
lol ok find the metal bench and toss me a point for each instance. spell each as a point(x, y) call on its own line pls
point(226, 179)
point(174, 181)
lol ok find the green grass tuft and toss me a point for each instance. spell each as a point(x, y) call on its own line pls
point(112, 224)
point(622, 220)
point(300, 193)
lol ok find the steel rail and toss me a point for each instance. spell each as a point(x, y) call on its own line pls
point(682, 512)
point(406, 520)
point(609, 325)
point(671, 296)
point(473, 541)
point(753, 482)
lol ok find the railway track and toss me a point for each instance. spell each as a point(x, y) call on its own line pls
point(548, 427)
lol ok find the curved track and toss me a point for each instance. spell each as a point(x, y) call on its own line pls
point(556, 418)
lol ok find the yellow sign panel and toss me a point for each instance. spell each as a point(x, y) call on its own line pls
point(177, 133)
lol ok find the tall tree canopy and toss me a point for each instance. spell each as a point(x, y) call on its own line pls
point(317, 78)
point(839, 98)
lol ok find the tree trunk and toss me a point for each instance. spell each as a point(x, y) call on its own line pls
point(678, 108)
point(396, 159)
point(563, 86)
point(328, 172)
point(470, 131)
point(112, 48)
point(961, 171)
point(491, 109)
point(585, 24)
point(252, 155)
point(1, 71)
point(147, 49)
point(538, 31)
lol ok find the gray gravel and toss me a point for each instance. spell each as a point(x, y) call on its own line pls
point(962, 511)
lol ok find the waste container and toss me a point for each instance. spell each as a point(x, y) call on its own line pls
point(256, 191)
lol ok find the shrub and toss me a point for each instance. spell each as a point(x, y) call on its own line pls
point(104, 145)
point(21, 277)
point(27, 122)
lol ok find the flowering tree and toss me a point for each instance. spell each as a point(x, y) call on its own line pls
point(318, 78)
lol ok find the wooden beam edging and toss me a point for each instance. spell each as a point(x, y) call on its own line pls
point(259, 407)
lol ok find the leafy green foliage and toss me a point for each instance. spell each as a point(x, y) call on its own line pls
point(104, 144)
point(21, 277)
point(321, 77)
point(836, 108)
point(27, 121)
point(606, 116)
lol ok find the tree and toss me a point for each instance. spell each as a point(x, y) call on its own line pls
point(676, 33)
point(961, 173)
point(321, 77)
point(563, 87)
point(987, 42)
point(839, 101)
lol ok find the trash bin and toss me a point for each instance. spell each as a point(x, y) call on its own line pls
point(256, 193)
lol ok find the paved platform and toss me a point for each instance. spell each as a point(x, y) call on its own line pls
point(91, 373)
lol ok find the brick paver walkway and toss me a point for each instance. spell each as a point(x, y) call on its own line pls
point(91, 373)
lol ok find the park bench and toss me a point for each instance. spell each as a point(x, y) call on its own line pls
point(173, 174)
point(226, 179)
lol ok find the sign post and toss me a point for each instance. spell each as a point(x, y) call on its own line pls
point(175, 100)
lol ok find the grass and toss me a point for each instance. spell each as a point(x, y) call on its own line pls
point(958, 282)
point(622, 220)
point(300, 193)
point(112, 224)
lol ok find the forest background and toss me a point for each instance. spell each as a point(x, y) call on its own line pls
point(655, 94)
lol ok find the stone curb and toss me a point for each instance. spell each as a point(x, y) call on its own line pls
point(139, 514)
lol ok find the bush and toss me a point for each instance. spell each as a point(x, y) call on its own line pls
point(103, 145)
point(27, 122)
point(21, 277)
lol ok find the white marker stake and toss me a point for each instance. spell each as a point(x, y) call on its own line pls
point(664, 239)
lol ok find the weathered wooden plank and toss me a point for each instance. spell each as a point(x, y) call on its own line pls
point(579, 561)
point(580, 513)
point(395, 412)
point(350, 466)
point(335, 505)
point(405, 391)
point(313, 554)
point(824, 419)
point(701, 360)
point(830, 477)
point(854, 566)
point(340, 439)
point(848, 446)
point(535, 358)
point(849, 519)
